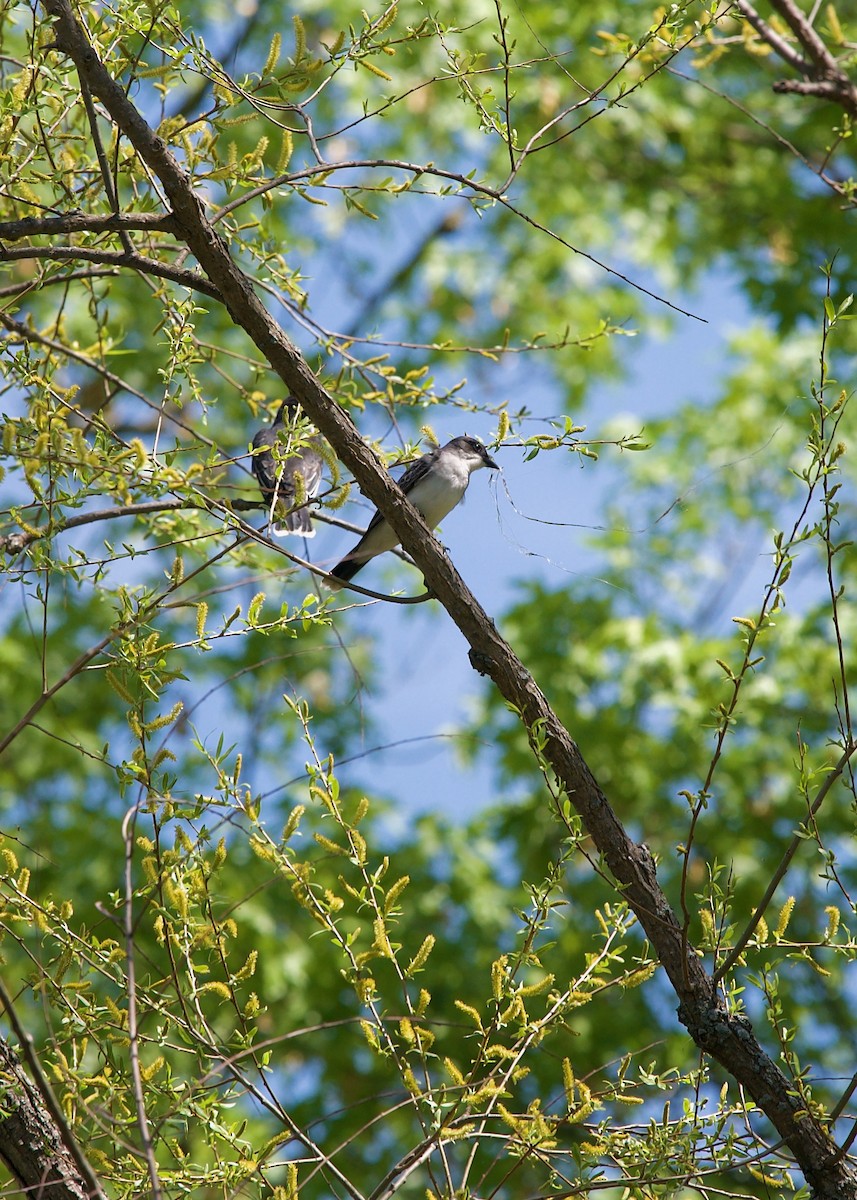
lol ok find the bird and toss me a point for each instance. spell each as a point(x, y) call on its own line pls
point(278, 477)
point(434, 484)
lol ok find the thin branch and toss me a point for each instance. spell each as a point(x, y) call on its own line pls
point(76, 667)
point(591, 258)
point(14, 543)
point(119, 258)
point(128, 831)
point(831, 508)
point(507, 95)
point(467, 184)
point(535, 144)
point(793, 847)
point(834, 184)
point(121, 629)
point(44, 281)
point(103, 164)
point(18, 329)
point(325, 576)
point(356, 164)
point(848, 1141)
point(738, 679)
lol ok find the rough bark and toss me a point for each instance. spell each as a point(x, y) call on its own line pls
point(31, 1142)
point(725, 1037)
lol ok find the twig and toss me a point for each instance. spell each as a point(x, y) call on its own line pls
point(468, 184)
point(14, 543)
point(117, 258)
point(119, 630)
point(793, 847)
point(104, 165)
point(128, 830)
point(76, 667)
point(325, 576)
point(834, 184)
point(830, 507)
point(507, 98)
point(603, 266)
point(45, 281)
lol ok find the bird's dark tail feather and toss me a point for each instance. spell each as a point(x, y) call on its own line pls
point(345, 570)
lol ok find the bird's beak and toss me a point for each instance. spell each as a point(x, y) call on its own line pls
point(489, 462)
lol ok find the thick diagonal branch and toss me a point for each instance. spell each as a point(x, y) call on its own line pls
point(822, 75)
point(727, 1038)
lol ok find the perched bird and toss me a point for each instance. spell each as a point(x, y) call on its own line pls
point(278, 477)
point(434, 484)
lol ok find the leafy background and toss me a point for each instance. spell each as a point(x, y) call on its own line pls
point(425, 301)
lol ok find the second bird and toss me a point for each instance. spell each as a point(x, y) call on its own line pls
point(276, 477)
point(434, 484)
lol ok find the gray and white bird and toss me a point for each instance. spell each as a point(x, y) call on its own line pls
point(277, 477)
point(434, 484)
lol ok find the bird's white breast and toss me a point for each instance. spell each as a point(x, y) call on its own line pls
point(438, 493)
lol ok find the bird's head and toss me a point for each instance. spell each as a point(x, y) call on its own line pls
point(473, 453)
point(287, 410)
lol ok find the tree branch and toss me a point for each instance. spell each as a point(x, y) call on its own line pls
point(129, 828)
point(31, 1144)
point(31, 285)
point(806, 35)
point(822, 89)
point(417, 169)
point(14, 543)
point(778, 876)
point(727, 1037)
point(778, 44)
point(54, 1112)
point(78, 222)
point(104, 165)
point(118, 258)
point(822, 75)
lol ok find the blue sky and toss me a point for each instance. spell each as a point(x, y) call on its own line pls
point(428, 684)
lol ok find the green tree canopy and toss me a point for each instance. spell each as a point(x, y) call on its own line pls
point(227, 969)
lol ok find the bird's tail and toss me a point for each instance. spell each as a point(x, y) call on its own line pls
point(344, 570)
point(297, 522)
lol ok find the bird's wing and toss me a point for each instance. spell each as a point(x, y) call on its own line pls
point(271, 475)
point(262, 461)
point(415, 472)
point(311, 466)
